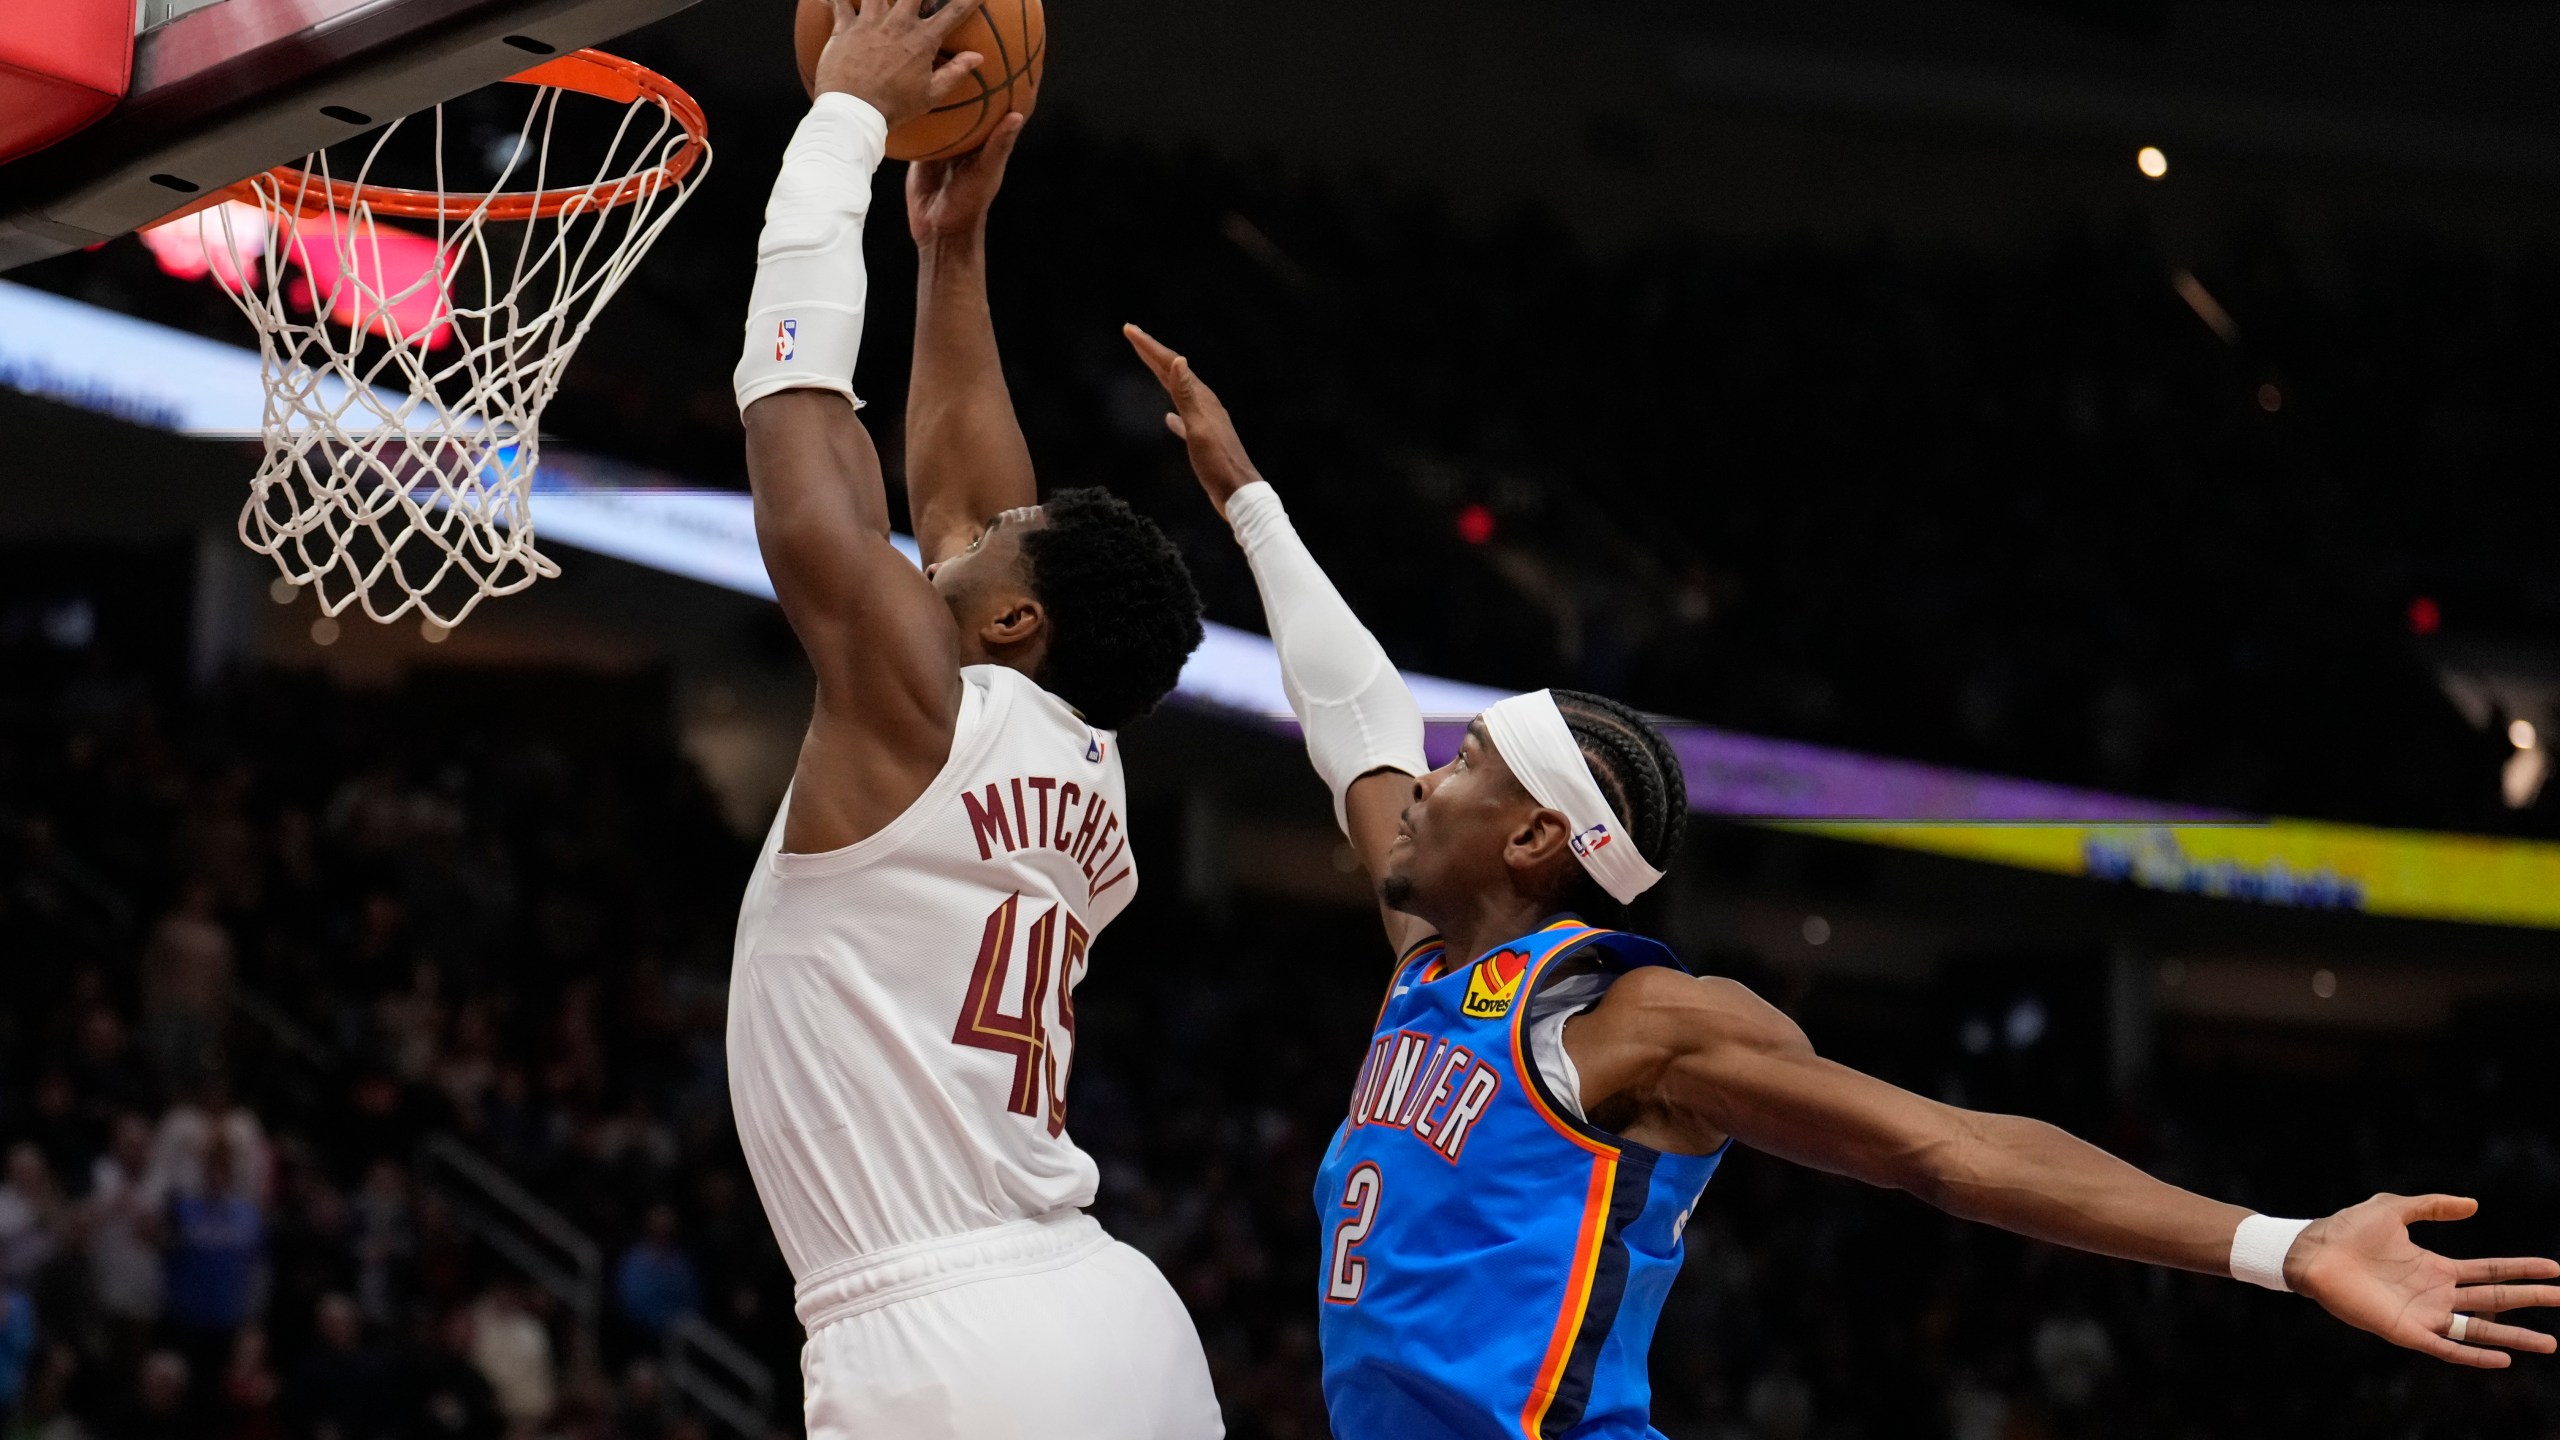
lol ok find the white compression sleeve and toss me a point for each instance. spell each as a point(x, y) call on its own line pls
point(804, 322)
point(2258, 1249)
point(1345, 692)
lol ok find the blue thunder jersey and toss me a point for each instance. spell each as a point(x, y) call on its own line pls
point(1493, 1267)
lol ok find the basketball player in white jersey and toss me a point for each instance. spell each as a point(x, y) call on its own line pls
point(901, 1021)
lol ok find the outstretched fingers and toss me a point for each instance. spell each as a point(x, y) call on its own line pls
point(2522, 1267)
point(2490, 1299)
point(2451, 1353)
point(1159, 356)
point(2508, 1337)
point(2415, 1209)
point(1191, 395)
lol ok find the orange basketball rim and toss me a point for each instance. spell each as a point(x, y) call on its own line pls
point(584, 72)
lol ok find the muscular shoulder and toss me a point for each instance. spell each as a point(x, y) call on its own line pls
point(1660, 1002)
point(1655, 1018)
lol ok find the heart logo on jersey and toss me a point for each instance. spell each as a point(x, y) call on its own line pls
point(1494, 985)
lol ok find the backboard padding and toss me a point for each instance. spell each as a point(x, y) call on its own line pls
point(224, 91)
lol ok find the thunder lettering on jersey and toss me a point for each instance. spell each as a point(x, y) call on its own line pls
point(1493, 1267)
point(901, 1011)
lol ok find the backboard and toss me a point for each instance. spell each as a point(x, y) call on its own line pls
point(222, 89)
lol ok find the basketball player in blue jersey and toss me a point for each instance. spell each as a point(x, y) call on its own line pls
point(1545, 1099)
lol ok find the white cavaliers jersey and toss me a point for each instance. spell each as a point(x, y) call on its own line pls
point(900, 1013)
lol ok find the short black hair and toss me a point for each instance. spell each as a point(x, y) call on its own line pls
point(1640, 773)
point(1123, 613)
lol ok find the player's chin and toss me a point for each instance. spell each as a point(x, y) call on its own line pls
point(1396, 892)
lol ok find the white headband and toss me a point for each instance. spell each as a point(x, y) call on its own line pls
point(1540, 749)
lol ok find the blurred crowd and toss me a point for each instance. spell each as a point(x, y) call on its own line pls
point(256, 960)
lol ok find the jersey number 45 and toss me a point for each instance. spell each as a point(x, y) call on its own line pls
point(1039, 1076)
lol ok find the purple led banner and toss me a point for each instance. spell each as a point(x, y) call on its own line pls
point(1755, 777)
point(156, 376)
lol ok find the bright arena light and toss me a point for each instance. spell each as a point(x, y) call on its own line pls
point(2520, 734)
point(2151, 161)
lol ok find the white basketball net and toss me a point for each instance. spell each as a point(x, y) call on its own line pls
point(402, 423)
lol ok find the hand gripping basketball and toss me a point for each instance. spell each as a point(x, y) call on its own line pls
point(949, 199)
point(1011, 36)
point(889, 55)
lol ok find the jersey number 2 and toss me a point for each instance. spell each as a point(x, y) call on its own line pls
point(1039, 1080)
point(1347, 1274)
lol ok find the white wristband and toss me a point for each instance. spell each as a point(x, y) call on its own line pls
point(2258, 1249)
point(804, 321)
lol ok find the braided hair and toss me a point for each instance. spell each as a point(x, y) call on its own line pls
point(1640, 774)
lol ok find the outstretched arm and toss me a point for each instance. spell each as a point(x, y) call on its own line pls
point(1682, 1063)
point(966, 460)
point(1363, 730)
point(882, 643)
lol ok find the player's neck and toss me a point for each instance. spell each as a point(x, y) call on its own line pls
point(1025, 658)
point(1487, 922)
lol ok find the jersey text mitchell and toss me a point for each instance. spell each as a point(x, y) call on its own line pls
point(1058, 814)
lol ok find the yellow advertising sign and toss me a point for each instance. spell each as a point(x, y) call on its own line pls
point(2412, 873)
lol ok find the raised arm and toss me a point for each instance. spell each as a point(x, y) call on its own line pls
point(966, 460)
point(884, 646)
point(1364, 733)
point(1681, 1064)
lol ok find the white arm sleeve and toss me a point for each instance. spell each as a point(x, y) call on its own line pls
point(804, 322)
point(1345, 692)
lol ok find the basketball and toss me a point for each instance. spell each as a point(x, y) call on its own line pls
point(1013, 35)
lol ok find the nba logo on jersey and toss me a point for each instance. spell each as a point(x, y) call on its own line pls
point(1591, 839)
point(1093, 748)
point(1495, 985)
point(786, 340)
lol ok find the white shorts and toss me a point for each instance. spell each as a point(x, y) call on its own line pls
point(1045, 1328)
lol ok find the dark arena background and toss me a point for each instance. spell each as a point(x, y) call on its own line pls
point(2145, 408)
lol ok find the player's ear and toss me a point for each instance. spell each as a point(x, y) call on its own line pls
point(1017, 622)
point(1536, 843)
